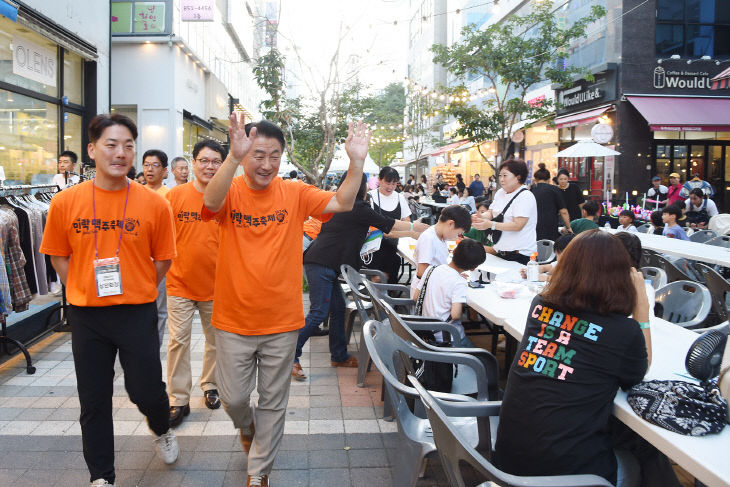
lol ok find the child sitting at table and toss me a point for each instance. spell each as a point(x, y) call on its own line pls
point(546, 270)
point(626, 221)
point(431, 247)
point(441, 293)
point(670, 215)
point(453, 196)
point(588, 222)
point(480, 235)
point(657, 224)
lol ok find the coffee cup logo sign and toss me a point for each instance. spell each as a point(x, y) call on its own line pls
point(34, 62)
point(677, 78)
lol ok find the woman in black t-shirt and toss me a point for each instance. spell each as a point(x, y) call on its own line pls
point(579, 346)
point(571, 195)
point(339, 242)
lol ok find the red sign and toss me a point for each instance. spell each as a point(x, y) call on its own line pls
point(537, 101)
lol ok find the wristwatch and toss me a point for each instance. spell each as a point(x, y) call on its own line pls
point(494, 226)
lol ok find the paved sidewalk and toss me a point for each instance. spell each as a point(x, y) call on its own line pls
point(333, 434)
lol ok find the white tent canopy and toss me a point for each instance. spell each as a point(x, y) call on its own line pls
point(286, 167)
point(587, 148)
point(341, 162)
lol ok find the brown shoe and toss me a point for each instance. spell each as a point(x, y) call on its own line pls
point(246, 440)
point(262, 480)
point(350, 362)
point(297, 373)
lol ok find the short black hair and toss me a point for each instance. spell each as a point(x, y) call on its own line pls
point(101, 122)
point(469, 254)
point(293, 174)
point(213, 145)
point(563, 172)
point(697, 192)
point(132, 172)
point(673, 210)
point(628, 213)
point(656, 218)
point(562, 242)
point(139, 174)
point(362, 191)
point(459, 215)
point(156, 153)
point(453, 190)
point(70, 154)
point(482, 203)
point(388, 174)
point(633, 247)
point(264, 128)
point(480, 199)
point(590, 207)
point(518, 167)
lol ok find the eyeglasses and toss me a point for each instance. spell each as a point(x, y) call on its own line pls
point(155, 165)
point(210, 162)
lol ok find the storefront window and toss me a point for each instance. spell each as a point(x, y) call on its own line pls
point(16, 39)
point(28, 137)
point(662, 162)
point(680, 161)
point(697, 161)
point(127, 110)
point(73, 69)
point(72, 133)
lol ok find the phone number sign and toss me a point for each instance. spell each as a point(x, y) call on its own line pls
point(197, 10)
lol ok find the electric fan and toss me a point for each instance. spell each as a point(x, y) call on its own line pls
point(708, 356)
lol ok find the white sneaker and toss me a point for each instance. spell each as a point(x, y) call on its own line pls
point(98, 482)
point(167, 448)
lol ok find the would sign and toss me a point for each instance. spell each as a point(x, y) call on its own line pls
point(34, 62)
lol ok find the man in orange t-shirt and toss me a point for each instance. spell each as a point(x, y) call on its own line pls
point(190, 283)
point(258, 292)
point(111, 243)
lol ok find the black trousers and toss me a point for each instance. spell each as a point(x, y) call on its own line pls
point(514, 256)
point(97, 333)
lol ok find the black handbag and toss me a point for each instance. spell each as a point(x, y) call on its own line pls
point(494, 235)
point(681, 407)
point(435, 376)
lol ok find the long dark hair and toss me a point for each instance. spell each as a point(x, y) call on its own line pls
point(574, 285)
point(363, 186)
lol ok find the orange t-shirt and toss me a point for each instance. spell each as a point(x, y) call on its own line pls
point(258, 280)
point(192, 274)
point(162, 190)
point(148, 235)
point(312, 227)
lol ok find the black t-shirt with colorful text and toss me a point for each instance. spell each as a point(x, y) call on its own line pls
point(560, 391)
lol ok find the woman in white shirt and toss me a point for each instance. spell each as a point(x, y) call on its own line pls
point(386, 201)
point(453, 196)
point(518, 240)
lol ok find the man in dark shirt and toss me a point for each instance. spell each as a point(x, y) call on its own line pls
point(476, 188)
point(550, 203)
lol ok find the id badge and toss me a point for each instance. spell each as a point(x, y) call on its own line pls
point(108, 277)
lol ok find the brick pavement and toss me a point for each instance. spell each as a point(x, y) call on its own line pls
point(334, 435)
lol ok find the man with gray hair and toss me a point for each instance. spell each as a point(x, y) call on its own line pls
point(180, 170)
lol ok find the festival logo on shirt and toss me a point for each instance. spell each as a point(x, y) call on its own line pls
point(86, 226)
point(242, 220)
point(548, 352)
point(189, 217)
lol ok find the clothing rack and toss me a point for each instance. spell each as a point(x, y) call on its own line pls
point(21, 189)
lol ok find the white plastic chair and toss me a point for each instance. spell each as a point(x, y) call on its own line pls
point(702, 236)
point(644, 228)
point(721, 241)
point(656, 275)
point(684, 303)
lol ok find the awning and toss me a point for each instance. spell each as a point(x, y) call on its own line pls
point(580, 118)
point(677, 114)
point(447, 148)
point(722, 80)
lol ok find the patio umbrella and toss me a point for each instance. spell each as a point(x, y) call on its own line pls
point(587, 148)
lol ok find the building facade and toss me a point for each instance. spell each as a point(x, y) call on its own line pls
point(179, 70)
point(54, 79)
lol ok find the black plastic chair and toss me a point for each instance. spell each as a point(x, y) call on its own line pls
point(718, 287)
point(454, 449)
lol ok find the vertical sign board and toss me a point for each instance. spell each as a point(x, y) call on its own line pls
point(34, 62)
point(149, 17)
point(197, 10)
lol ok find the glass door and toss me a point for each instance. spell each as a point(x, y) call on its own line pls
point(697, 162)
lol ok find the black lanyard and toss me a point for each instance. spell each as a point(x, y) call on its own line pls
point(94, 223)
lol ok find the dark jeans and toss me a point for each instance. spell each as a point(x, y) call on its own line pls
point(97, 333)
point(514, 256)
point(325, 298)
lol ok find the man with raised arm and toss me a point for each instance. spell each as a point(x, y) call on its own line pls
point(258, 289)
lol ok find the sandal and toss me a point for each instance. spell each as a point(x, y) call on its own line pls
point(297, 373)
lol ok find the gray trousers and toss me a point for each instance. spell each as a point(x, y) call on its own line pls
point(161, 309)
point(240, 360)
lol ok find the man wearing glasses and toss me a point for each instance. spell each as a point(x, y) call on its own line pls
point(190, 284)
point(154, 164)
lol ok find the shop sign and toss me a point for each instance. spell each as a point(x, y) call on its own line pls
point(586, 93)
point(197, 10)
point(537, 101)
point(682, 79)
point(34, 62)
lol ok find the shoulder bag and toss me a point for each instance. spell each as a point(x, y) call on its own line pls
point(494, 235)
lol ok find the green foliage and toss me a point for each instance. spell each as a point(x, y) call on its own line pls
point(385, 109)
point(512, 55)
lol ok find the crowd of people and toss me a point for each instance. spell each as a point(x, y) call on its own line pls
point(153, 255)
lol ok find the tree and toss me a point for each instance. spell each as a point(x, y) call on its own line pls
point(512, 56)
point(312, 130)
point(422, 120)
point(385, 110)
